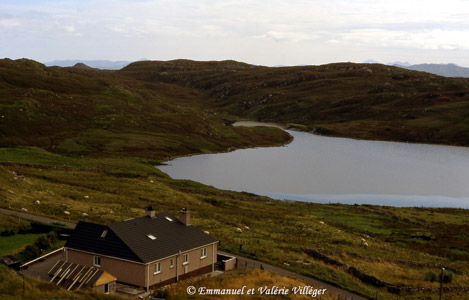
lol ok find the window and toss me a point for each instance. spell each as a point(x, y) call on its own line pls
point(185, 259)
point(151, 237)
point(157, 268)
point(97, 261)
point(203, 252)
point(171, 263)
point(103, 235)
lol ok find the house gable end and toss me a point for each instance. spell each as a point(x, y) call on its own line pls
point(89, 237)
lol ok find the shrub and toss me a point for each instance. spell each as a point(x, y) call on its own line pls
point(160, 293)
point(29, 253)
point(42, 243)
point(430, 276)
point(7, 232)
point(447, 277)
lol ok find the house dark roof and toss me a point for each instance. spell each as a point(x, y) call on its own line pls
point(130, 239)
point(87, 237)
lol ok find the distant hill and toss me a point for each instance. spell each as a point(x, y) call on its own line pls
point(447, 70)
point(369, 101)
point(98, 64)
point(158, 109)
point(399, 64)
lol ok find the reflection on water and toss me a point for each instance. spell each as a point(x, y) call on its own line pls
point(324, 169)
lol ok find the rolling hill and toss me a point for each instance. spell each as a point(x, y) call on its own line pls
point(162, 109)
point(84, 111)
point(369, 101)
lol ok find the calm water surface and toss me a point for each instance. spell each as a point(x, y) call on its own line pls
point(325, 169)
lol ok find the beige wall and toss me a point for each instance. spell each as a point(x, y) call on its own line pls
point(133, 273)
point(230, 264)
point(195, 262)
point(124, 271)
point(112, 288)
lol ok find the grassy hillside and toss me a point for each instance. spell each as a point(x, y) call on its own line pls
point(110, 190)
point(90, 112)
point(84, 140)
point(368, 101)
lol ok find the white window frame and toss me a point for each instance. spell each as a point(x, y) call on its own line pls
point(185, 258)
point(203, 252)
point(171, 263)
point(97, 261)
point(157, 268)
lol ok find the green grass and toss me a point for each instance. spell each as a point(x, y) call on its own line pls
point(16, 243)
point(87, 141)
point(126, 186)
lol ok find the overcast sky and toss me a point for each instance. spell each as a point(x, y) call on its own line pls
point(269, 33)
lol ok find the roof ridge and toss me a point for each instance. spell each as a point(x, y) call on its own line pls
point(123, 240)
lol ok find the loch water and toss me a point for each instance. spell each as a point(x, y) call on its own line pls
point(323, 169)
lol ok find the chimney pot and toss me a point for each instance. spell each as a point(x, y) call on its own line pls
point(149, 212)
point(185, 217)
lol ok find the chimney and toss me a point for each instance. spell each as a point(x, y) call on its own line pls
point(149, 212)
point(185, 216)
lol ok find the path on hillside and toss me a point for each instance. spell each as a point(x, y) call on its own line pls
point(35, 218)
point(255, 264)
point(242, 261)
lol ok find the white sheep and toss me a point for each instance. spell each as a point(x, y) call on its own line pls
point(246, 227)
point(239, 230)
point(24, 209)
point(84, 214)
point(66, 212)
point(207, 232)
point(364, 243)
point(37, 202)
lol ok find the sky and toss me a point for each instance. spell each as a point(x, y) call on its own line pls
point(291, 32)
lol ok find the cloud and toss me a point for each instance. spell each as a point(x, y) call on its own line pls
point(9, 22)
point(288, 36)
point(436, 39)
point(280, 26)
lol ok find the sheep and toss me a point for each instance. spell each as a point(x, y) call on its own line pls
point(66, 212)
point(37, 202)
point(24, 209)
point(87, 197)
point(84, 214)
point(207, 232)
point(246, 227)
point(239, 230)
point(321, 222)
point(364, 243)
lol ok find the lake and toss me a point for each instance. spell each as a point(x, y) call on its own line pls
point(323, 169)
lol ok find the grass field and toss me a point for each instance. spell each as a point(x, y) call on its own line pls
point(253, 280)
point(111, 190)
point(16, 243)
